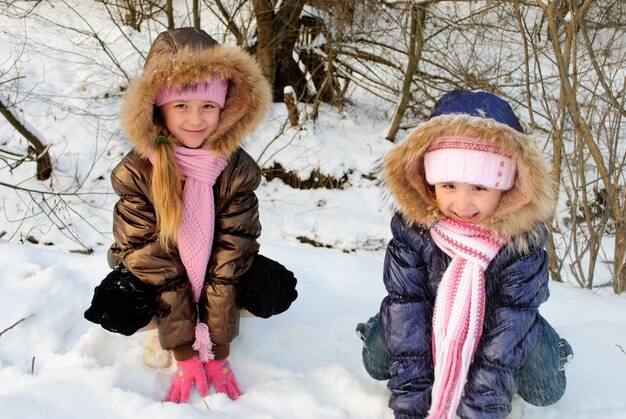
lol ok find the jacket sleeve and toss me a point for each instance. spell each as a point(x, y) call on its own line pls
point(405, 320)
point(237, 225)
point(134, 226)
point(139, 250)
point(519, 285)
point(237, 228)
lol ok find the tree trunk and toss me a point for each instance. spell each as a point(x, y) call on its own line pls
point(620, 255)
point(264, 13)
point(169, 11)
point(277, 33)
point(44, 167)
point(196, 13)
point(416, 45)
point(230, 23)
point(292, 106)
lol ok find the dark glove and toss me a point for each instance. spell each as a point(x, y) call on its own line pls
point(267, 288)
point(122, 303)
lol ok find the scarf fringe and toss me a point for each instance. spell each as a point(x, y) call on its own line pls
point(203, 343)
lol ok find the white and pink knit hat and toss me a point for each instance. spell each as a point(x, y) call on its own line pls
point(214, 89)
point(467, 160)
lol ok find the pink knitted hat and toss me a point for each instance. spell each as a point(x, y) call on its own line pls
point(467, 160)
point(214, 89)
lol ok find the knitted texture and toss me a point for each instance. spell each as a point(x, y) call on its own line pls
point(214, 89)
point(122, 303)
point(267, 288)
point(467, 160)
point(221, 375)
point(459, 309)
point(187, 373)
point(480, 104)
point(200, 169)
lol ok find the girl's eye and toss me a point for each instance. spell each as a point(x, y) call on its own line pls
point(479, 188)
point(180, 106)
point(207, 106)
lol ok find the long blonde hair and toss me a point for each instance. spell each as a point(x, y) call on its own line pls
point(166, 191)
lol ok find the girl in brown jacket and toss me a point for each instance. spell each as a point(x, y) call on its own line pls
point(186, 223)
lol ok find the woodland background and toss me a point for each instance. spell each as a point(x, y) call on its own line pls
point(560, 63)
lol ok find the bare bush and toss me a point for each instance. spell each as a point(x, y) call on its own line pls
point(560, 63)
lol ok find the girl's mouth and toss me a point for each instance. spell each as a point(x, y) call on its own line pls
point(194, 132)
point(464, 218)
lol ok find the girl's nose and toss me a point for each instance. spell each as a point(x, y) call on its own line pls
point(194, 117)
point(463, 202)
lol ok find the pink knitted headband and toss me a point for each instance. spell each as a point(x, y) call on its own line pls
point(214, 89)
point(467, 160)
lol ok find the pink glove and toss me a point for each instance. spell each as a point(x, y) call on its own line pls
point(220, 373)
point(187, 372)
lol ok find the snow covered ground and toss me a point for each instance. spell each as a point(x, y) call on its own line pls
point(304, 363)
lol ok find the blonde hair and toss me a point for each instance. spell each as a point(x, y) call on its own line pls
point(166, 194)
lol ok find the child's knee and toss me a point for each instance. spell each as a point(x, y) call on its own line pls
point(541, 380)
point(375, 356)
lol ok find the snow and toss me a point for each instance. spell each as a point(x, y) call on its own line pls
point(568, 17)
point(304, 363)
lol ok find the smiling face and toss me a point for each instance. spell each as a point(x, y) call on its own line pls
point(191, 121)
point(466, 203)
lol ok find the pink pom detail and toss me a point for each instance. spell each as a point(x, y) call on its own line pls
point(203, 343)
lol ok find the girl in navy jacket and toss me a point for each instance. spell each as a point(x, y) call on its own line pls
point(459, 333)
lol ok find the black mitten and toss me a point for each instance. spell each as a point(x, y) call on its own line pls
point(267, 288)
point(122, 303)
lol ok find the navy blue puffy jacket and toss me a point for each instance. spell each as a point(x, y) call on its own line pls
point(515, 285)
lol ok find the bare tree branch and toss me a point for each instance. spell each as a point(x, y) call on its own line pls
point(44, 166)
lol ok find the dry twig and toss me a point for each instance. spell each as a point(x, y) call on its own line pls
point(13, 325)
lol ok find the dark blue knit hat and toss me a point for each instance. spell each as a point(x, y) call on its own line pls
point(480, 104)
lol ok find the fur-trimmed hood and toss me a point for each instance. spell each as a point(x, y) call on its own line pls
point(531, 200)
point(185, 56)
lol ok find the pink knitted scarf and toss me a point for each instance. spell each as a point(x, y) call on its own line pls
point(200, 169)
point(459, 309)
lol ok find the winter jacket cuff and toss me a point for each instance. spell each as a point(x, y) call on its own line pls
point(221, 351)
point(184, 351)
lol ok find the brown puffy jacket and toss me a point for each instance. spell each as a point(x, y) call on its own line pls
point(179, 57)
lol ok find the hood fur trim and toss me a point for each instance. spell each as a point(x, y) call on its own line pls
point(531, 200)
point(247, 100)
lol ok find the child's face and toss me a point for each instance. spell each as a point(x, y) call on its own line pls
point(191, 121)
point(466, 203)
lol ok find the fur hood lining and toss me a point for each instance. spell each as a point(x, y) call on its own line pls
point(247, 100)
point(531, 200)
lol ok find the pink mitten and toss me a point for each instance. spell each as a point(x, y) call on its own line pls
point(187, 372)
point(220, 373)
